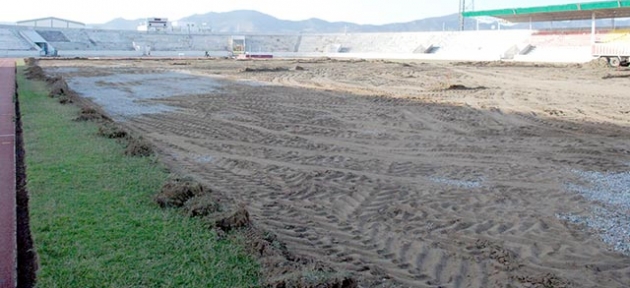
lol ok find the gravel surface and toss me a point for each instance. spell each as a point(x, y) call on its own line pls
point(610, 209)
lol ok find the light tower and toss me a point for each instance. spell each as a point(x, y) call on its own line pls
point(462, 5)
point(463, 8)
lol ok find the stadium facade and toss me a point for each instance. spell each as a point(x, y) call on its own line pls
point(574, 45)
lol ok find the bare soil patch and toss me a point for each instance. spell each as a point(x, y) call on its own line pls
point(418, 186)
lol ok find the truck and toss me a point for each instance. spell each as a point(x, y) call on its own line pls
point(616, 54)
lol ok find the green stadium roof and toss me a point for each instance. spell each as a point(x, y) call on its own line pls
point(576, 11)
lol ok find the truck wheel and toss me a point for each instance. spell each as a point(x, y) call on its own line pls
point(614, 61)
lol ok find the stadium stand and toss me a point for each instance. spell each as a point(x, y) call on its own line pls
point(273, 43)
point(406, 43)
point(10, 39)
point(209, 42)
point(387, 42)
point(318, 43)
point(616, 36)
point(558, 46)
point(557, 54)
point(53, 36)
point(110, 40)
point(481, 45)
point(561, 39)
point(67, 39)
point(485, 45)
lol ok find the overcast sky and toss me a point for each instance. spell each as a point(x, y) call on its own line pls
point(358, 11)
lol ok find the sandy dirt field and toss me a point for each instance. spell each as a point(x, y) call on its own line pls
point(421, 174)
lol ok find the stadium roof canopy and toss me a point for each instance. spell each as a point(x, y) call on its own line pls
point(576, 11)
point(49, 19)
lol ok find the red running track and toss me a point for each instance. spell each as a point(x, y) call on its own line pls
point(8, 246)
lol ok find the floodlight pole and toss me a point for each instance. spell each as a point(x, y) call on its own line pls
point(462, 9)
point(593, 28)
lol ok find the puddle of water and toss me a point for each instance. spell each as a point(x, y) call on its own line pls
point(119, 94)
point(458, 183)
point(253, 83)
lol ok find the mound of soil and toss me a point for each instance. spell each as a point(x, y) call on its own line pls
point(31, 61)
point(35, 73)
point(138, 146)
point(90, 114)
point(315, 60)
point(544, 281)
point(58, 86)
point(234, 220)
point(59, 89)
point(112, 131)
point(596, 64)
point(176, 192)
point(265, 69)
point(463, 87)
point(281, 268)
point(63, 99)
point(204, 205)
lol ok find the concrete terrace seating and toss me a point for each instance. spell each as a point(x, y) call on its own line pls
point(619, 36)
point(386, 42)
point(272, 43)
point(520, 45)
point(485, 44)
point(559, 46)
point(11, 40)
point(72, 39)
point(210, 42)
point(562, 40)
point(482, 45)
point(163, 42)
point(319, 42)
point(53, 36)
point(566, 54)
point(111, 40)
point(394, 43)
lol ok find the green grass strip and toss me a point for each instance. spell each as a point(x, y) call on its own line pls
point(92, 217)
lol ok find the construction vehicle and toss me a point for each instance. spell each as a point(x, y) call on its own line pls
point(616, 54)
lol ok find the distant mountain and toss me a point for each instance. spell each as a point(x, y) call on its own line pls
point(119, 24)
point(254, 22)
point(248, 21)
